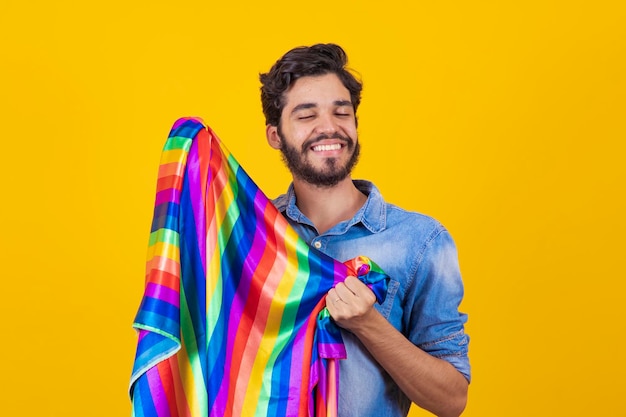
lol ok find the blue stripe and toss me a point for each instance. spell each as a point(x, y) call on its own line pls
point(188, 129)
point(192, 274)
point(142, 389)
point(165, 217)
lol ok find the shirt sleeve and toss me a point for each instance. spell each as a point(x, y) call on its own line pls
point(435, 324)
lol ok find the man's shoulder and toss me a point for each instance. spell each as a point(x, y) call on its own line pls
point(281, 202)
point(411, 220)
point(391, 217)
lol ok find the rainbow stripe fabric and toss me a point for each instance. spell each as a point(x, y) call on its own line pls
point(232, 321)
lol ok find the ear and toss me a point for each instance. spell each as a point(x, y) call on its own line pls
point(271, 133)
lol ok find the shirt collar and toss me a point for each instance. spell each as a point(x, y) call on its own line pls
point(372, 215)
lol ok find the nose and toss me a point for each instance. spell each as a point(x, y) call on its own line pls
point(326, 125)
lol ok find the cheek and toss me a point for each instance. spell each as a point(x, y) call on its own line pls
point(299, 136)
point(350, 130)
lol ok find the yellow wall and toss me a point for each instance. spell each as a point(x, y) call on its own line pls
point(505, 120)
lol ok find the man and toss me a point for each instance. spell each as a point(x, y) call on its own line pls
point(412, 348)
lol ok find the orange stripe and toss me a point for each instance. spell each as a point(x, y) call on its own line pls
point(172, 168)
point(161, 263)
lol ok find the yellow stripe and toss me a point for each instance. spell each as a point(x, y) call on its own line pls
point(192, 380)
point(216, 242)
point(174, 155)
point(164, 250)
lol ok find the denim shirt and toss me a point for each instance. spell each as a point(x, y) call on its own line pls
point(422, 300)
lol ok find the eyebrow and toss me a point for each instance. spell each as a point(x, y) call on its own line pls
point(305, 106)
point(340, 103)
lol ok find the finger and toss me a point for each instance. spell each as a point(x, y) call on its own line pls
point(354, 284)
point(360, 290)
point(344, 293)
point(333, 297)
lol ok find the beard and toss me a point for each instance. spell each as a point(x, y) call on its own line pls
point(332, 172)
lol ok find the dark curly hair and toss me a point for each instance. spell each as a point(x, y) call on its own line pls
point(300, 62)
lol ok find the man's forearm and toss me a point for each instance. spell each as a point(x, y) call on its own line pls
point(429, 382)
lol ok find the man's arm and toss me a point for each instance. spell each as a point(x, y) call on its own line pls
point(429, 382)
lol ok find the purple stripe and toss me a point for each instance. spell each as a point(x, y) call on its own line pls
point(295, 374)
point(142, 334)
point(169, 195)
point(163, 293)
point(180, 121)
point(193, 175)
point(340, 273)
point(332, 350)
point(159, 397)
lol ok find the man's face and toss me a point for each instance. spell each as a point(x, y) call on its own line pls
point(317, 133)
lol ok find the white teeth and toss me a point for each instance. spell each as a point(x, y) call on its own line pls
point(320, 148)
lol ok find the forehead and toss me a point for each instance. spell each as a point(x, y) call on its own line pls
point(319, 90)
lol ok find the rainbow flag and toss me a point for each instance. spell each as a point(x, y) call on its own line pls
point(232, 321)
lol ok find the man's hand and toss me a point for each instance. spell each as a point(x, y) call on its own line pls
point(350, 303)
point(429, 382)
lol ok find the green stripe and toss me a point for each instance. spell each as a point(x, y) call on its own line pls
point(189, 340)
point(164, 235)
point(177, 142)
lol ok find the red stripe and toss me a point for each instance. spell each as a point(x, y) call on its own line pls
point(171, 181)
point(306, 357)
point(163, 278)
point(182, 404)
point(214, 188)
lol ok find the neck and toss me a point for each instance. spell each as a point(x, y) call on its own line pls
point(328, 206)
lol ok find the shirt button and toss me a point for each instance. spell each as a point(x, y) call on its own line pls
point(317, 244)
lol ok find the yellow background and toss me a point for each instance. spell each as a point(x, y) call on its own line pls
point(504, 120)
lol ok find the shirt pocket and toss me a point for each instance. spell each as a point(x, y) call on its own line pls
point(392, 290)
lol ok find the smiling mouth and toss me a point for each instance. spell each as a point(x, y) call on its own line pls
point(322, 148)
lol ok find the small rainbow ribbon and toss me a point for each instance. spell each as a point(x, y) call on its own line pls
point(232, 321)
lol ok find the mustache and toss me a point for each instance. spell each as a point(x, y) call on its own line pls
point(307, 144)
